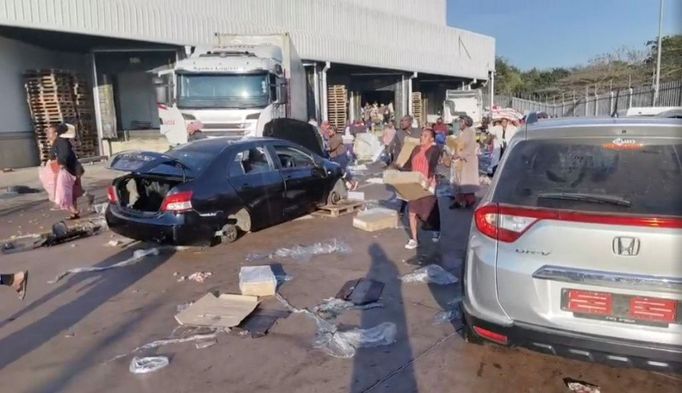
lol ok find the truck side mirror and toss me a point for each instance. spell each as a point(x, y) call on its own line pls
point(162, 87)
point(282, 91)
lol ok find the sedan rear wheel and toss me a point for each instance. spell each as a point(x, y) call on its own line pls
point(230, 233)
point(338, 193)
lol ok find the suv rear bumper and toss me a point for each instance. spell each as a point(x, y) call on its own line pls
point(607, 350)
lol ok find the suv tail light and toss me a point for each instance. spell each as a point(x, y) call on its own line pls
point(508, 223)
point(501, 223)
point(180, 202)
point(111, 194)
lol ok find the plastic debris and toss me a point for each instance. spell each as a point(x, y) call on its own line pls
point(375, 180)
point(160, 343)
point(447, 316)
point(147, 364)
point(305, 253)
point(99, 208)
point(357, 168)
point(580, 386)
point(199, 277)
point(137, 257)
point(343, 344)
point(114, 243)
point(430, 274)
point(182, 307)
point(205, 344)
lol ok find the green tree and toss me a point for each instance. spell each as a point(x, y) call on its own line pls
point(671, 57)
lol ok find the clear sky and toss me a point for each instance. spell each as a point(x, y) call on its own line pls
point(564, 33)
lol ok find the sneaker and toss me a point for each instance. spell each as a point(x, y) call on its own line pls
point(436, 237)
point(411, 245)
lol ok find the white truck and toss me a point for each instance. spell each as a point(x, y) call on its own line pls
point(462, 102)
point(232, 89)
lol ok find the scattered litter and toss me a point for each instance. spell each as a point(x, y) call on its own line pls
point(73, 245)
point(181, 278)
point(580, 386)
point(257, 281)
point(114, 243)
point(199, 277)
point(168, 341)
point(147, 364)
point(361, 291)
point(280, 274)
point(70, 335)
point(356, 196)
point(205, 344)
point(7, 170)
point(375, 180)
point(260, 322)
point(430, 274)
point(376, 219)
point(304, 253)
point(225, 310)
point(175, 274)
point(343, 344)
point(137, 257)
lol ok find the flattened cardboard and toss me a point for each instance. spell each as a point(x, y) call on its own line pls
point(226, 310)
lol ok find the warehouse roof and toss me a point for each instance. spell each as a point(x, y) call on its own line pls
point(342, 31)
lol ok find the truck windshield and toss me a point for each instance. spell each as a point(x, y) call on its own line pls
point(223, 91)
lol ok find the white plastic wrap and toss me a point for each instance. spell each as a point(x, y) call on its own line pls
point(257, 280)
point(148, 364)
point(137, 257)
point(430, 274)
point(305, 253)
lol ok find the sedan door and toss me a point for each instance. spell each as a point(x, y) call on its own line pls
point(304, 180)
point(258, 183)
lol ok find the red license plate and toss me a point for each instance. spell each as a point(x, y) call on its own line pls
point(653, 309)
point(592, 303)
point(620, 307)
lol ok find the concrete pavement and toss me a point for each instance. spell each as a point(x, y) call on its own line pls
point(63, 337)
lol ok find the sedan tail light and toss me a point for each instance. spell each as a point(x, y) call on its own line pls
point(508, 223)
point(180, 202)
point(111, 194)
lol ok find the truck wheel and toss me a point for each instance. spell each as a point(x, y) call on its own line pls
point(230, 233)
point(338, 193)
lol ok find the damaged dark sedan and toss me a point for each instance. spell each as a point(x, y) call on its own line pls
point(217, 189)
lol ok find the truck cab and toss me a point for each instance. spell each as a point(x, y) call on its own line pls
point(230, 90)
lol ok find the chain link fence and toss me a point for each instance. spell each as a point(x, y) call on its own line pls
point(591, 104)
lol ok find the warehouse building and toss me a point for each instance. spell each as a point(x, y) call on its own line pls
point(397, 51)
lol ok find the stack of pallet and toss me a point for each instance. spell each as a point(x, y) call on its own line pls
point(57, 96)
point(417, 108)
point(337, 106)
point(87, 132)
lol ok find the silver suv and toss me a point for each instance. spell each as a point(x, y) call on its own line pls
point(576, 250)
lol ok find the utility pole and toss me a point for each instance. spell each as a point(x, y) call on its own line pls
point(658, 49)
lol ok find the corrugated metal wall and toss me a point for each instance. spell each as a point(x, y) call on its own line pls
point(383, 33)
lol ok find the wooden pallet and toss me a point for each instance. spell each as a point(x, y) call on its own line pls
point(340, 209)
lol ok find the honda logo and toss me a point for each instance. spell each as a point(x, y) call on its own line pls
point(626, 246)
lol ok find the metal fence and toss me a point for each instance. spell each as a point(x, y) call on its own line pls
point(591, 104)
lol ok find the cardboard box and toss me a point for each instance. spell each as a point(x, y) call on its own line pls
point(376, 219)
point(410, 186)
point(225, 310)
point(257, 281)
point(408, 146)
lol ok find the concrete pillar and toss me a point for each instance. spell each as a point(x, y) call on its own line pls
point(325, 101)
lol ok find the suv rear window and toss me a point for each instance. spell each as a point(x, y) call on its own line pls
point(643, 177)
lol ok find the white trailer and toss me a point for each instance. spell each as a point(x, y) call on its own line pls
point(232, 89)
point(462, 102)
